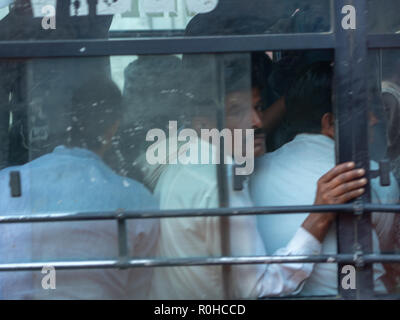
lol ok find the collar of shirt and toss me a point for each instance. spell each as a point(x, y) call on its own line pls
point(315, 138)
point(76, 152)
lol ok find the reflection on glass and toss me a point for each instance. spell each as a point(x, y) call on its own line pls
point(59, 129)
point(112, 133)
point(384, 109)
point(383, 17)
point(81, 19)
point(228, 17)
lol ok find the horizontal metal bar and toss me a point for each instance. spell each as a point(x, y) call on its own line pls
point(376, 41)
point(151, 214)
point(113, 34)
point(193, 213)
point(174, 45)
point(199, 261)
point(180, 44)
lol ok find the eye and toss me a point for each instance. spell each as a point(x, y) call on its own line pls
point(259, 107)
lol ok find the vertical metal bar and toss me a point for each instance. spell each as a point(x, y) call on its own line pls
point(92, 7)
point(351, 92)
point(122, 238)
point(333, 16)
point(222, 179)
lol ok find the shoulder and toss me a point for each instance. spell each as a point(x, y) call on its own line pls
point(201, 175)
point(268, 163)
point(188, 186)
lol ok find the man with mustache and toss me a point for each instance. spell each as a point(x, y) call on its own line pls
point(195, 186)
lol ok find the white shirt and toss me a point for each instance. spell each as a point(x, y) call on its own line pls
point(195, 186)
point(74, 180)
point(289, 176)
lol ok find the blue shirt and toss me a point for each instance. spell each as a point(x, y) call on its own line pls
point(74, 180)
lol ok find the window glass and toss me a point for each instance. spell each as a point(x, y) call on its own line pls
point(145, 133)
point(142, 132)
point(110, 134)
point(384, 104)
point(110, 105)
point(382, 16)
point(136, 18)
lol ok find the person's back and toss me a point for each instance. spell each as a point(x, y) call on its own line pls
point(188, 187)
point(74, 180)
point(289, 176)
point(276, 171)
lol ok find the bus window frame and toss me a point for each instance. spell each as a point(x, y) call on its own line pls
point(350, 102)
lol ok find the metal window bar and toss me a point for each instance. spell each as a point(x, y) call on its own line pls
point(125, 262)
point(198, 261)
point(153, 46)
point(353, 231)
point(181, 45)
point(122, 239)
point(223, 194)
point(193, 213)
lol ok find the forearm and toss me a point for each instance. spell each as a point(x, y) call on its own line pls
point(318, 224)
point(254, 281)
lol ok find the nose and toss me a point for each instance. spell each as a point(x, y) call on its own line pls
point(256, 119)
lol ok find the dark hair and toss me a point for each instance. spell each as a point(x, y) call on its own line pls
point(236, 72)
point(309, 98)
point(261, 69)
point(245, 71)
point(237, 68)
point(96, 106)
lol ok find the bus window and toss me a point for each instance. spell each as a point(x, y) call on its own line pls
point(140, 133)
point(195, 138)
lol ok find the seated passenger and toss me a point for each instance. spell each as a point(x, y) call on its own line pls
point(289, 176)
point(194, 186)
point(74, 179)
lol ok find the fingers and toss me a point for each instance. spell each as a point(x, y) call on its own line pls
point(347, 187)
point(349, 196)
point(343, 178)
point(341, 184)
point(339, 169)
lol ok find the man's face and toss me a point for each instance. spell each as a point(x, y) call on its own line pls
point(243, 112)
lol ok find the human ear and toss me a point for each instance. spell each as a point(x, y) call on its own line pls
point(328, 125)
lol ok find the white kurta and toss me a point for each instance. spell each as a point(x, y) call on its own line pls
point(195, 186)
